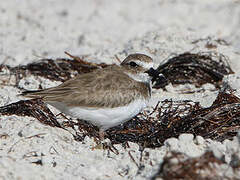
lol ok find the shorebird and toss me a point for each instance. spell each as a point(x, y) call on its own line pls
point(105, 97)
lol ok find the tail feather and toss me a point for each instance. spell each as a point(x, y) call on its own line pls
point(31, 94)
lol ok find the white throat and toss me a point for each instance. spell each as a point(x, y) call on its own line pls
point(141, 77)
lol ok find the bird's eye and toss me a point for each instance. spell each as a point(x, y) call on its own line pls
point(133, 64)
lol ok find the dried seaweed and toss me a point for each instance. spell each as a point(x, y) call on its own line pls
point(152, 131)
point(57, 70)
point(32, 108)
point(197, 69)
point(219, 121)
point(178, 166)
point(168, 119)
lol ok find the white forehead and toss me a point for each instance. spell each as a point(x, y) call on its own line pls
point(144, 64)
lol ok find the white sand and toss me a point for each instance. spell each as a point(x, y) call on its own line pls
point(32, 29)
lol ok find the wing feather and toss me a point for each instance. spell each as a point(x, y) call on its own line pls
point(101, 88)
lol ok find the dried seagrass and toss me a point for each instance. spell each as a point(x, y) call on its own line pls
point(54, 69)
point(197, 69)
point(178, 166)
point(150, 129)
point(32, 108)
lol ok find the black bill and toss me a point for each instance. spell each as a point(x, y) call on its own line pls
point(158, 79)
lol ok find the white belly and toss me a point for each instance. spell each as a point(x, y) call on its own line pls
point(104, 118)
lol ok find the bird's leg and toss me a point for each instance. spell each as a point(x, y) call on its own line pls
point(100, 142)
point(101, 134)
point(105, 144)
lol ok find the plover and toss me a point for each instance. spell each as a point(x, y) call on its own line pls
point(105, 97)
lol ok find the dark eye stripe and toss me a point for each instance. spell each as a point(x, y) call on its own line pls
point(133, 64)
